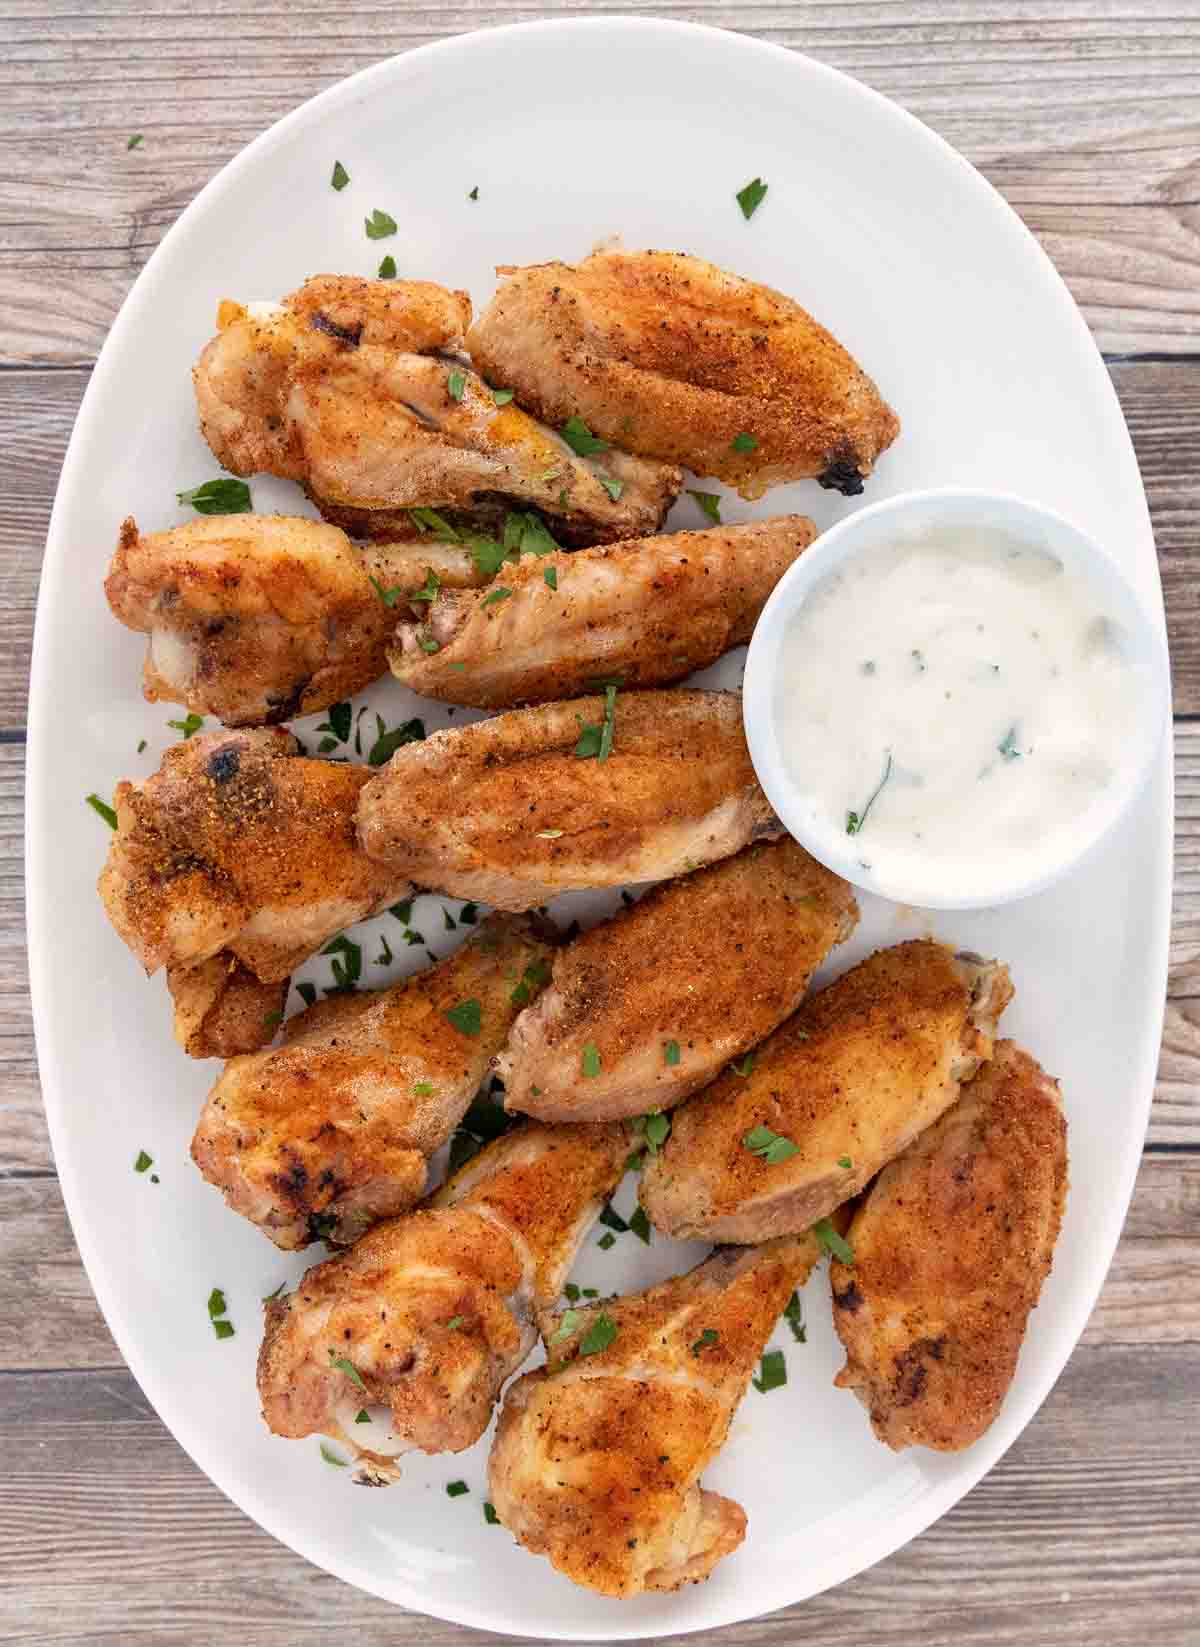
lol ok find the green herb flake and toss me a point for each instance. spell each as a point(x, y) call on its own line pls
point(590, 1062)
point(834, 1244)
point(346, 961)
point(845, 1163)
point(330, 1457)
point(223, 1329)
point(307, 993)
point(402, 911)
point(608, 1239)
point(709, 1336)
point(772, 1372)
point(743, 1066)
point(143, 1162)
point(496, 595)
point(745, 442)
point(455, 1322)
point(710, 503)
point(429, 589)
point(467, 1017)
point(856, 820)
point(340, 177)
point(598, 1336)
point(141, 745)
point(216, 1304)
point(362, 1416)
point(389, 597)
point(468, 914)
point(640, 1225)
point(591, 1292)
point(489, 1513)
point(533, 980)
point(610, 1217)
point(188, 726)
point(771, 1147)
point(1008, 745)
point(422, 1089)
point(614, 488)
point(596, 740)
point(428, 520)
point(751, 197)
point(474, 193)
point(387, 743)
point(385, 956)
point(550, 577)
point(379, 225)
point(571, 1293)
point(793, 1314)
point(456, 384)
point(426, 642)
point(102, 809)
point(136, 141)
point(580, 438)
point(568, 1321)
point(343, 1365)
point(656, 1130)
point(224, 496)
point(456, 1489)
point(272, 1018)
point(502, 396)
point(635, 1162)
point(671, 1053)
point(341, 717)
point(387, 268)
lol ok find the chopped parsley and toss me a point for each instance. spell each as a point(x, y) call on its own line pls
point(656, 1130)
point(707, 1337)
point(386, 743)
point(1008, 745)
point(448, 920)
point(502, 396)
point(143, 1162)
point(710, 503)
point(534, 979)
point(340, 177)
point(307, 993)
point(102, 809)
point(614, 488)
point(469, 914)
point(225, 496)
point(608, 1239)
point(467, 1017)
point(640, 1225)
point(141, 745)
point(599, 1335)
point(745, 442)
point(272, 1018)
point(428, 520)
point(845, 1163)
point(190, 724)
point(550, 577)
point(455, 1322)
point(385, 956)
point(590, 1062)
point(571, 1293)
point(339, 722)
point(743, 1066)
point(362, 1416)
point(793, 1314)
point(496, 595)
point(428, 590)
point(856, 820)
point(379, 225)
point(136, 141)
point(580, 438)
point(422, 1089)
point(568, 1321)
point(426, 642)
point(217, 1310)
point(489, 1513)
point(751, 197)
point(596, 740)
point(771, 1147)
point(402, 911)
point(223, 1329)
point(346, 961)
point(612, 1218)
point(330, 1457)
point(671, 1053)
point(456, 384)
point(455, 1489)
point(343, 1365)
point(772, 1372)
point(835, 1245)
point(474, 193)
point(527, 534)
point(387, 267)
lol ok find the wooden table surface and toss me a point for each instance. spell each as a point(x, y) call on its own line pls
point(1086, 115)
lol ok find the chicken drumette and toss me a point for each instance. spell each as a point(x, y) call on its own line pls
point(664, 354)
point(507, 810)
point(333, 1130)
point(428, 1314)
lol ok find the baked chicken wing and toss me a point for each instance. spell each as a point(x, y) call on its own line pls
point(239, 844)
point(222, 1009)
point(355, 388)
point(649, 612)
point(650, 1005)
point(508, 812)
point(664, 354)
point(951, 1247)
point(420, 1323)
point(333, 1130)
point(598, 1455)
point(830, 1098)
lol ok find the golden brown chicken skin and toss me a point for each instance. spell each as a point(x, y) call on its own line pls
point(432, 1312)
point(863, 1067)
point(598, 1455)
point(951, 1247)
point(664, 354)
point(668, 992)
point(238, 843)
point(222, 1009)
point(648, 612)
point(333, 1130)
point(506, 812)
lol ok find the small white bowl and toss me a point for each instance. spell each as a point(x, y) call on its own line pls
point(907, 516)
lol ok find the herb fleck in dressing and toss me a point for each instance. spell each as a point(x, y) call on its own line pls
point(957, 698)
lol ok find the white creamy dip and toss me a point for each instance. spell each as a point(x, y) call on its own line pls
point(957, 703)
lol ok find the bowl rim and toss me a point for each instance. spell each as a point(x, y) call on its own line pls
point(838, 545)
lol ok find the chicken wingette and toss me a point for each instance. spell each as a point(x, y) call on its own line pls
point(356, 389)
point(598, 1455)
point(593, 792)
point(865, 1065)
point(731, 949)
point(646, 612)
point(951, 1247)
point(666, 355)
point(332, 1131)
point(222, 1009)
point(428, 1314)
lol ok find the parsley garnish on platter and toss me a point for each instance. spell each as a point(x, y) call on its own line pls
point(614, 488)
point(342, 1364)
point(191, 723)
point(379, 225)
point(580, 438)
point(598, 1336)
point(455, 1489)
point(793, 1314)
point(856, 820)
point(550, 577)
point(710, 503)
point(596, 741)
point(136, 141)
point(474, 193)
point(143, 1161)
point(640, 1225)
point(307, 993)
point(671, 1053)
point(496, 596)
point(743, 1066)
point(1008, 745)
point(745, 442)
point(835, 1245)
point(346, 961)
point(102, 809)
point(456, 384)
point(217, 1310)
point(386, 743)
point(771, 1147)
point(772, 1372)
point(387, 268)
point(224, 496)
point(590, 1061)
point(467, 1017)
point(707, 1337)
point(489, 1513)
point(751, 197)
point(502, 396)
point(340, 177)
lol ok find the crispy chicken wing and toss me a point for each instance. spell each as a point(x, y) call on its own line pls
point(664, 354)
point(432, 1312)
point(333, 1130)
point(506, 812)
point(222, 1009)
point(649, 612)
point(832, 1096)
point(951, 1248)
point(731, 950)
point(252, 618)
point(355, 388)
point(237, 843)
point(597, 1456)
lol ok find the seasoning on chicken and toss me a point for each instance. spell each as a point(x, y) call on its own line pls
point(429, 1314)
point(593, 792)
point(222, 1009)
point(647, 612)
point(238, 843)
point(951, 1247)
point(731, 950)
point(356, 388)
point(598, 1455)
point(666, 355)
point(829, 1099)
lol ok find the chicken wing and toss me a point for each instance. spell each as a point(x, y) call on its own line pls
point(222, 1009)
point(597, 1456)
point(355, 389)
point(429, 1314)
point(506, 811)
point(951, 1248)
point(737, 944)
point(831, 1097)
point(649, 612)
point(332, 1131)
point(664, 354)
point(237, 843)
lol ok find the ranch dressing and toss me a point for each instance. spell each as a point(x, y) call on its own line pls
point(957, 700)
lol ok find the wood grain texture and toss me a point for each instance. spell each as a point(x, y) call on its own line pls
point(1081, 112)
